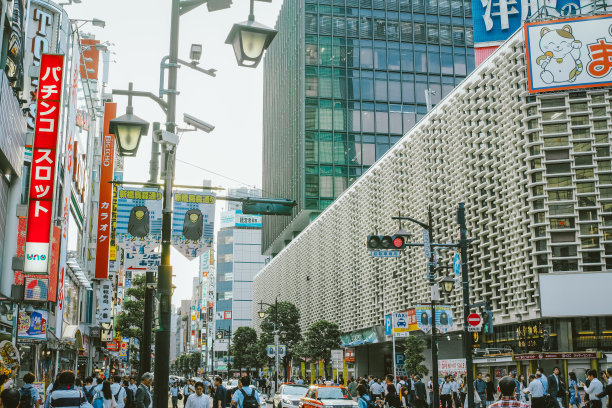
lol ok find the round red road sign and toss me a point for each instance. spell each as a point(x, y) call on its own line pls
point(474, 319)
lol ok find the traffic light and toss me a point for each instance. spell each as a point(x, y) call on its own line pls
point(268, 206)
point(487, 319)
point(386, 242)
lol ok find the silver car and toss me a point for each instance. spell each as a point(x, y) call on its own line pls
point(289, 395)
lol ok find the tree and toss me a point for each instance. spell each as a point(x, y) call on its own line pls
point(240, 351)
point(320, 339)
point(413, 354)
point(131, 320)
point(288, 323)
point(194, 362)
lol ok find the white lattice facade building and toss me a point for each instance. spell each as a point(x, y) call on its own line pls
point(534, 173)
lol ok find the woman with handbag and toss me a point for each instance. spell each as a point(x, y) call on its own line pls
point(104, 398)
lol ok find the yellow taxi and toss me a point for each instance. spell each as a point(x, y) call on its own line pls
point(327, 396)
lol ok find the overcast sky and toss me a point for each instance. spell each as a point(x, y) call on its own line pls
point(232, 102)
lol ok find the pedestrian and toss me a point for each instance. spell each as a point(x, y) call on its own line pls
point(245, 396)
point(118, 391)
point(174, 393)
point(143, 393)
point(363, 397)
point(64, 394)
point(420, 394)
point(199, 399)
point(104, 398)
point(608, 388)
point(455, 385)
point(535, 391)
point(89, 389)
point(490, 392)
point(376, 389)
point(220, 394)
point(430, 388)
point(543, 379)
point(507, 387)
point(480, 388)
point(594, 389)
point(446, 393)
point(133, 386)
point(574, 393)
point(352, 388)
point(554, 386)
point(404, 395)
point(462, 389)
point(28, 394)
point(129, 394)
point(392, 400)
point(188, 389)
point(9, 398)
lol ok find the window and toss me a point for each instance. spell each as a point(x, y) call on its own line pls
point(585, 187)
point(582, 174)
point(603, 152)
point(559, 181)
point(554, 128)
point(556, 141)
point(564, 251)
point(587, 215)
point(605, 192)
point(561, 209)
point(552, 102)
point(560, 223)
point(558, 168)
point(588, 229)
point(580, 120)
point(578, 107)
point(586, 201)
point(312, 54)
point(565, 265)
point(552, 115)
point(582, 147)
point(559, 195)
point(460, 64)
point(586, 160)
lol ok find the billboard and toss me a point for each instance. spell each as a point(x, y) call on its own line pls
point(44, 164)
point(569, 54)
point(105, 201)
point(32, 326)
point(139, 219)
point(193, 221)
point(444, 318)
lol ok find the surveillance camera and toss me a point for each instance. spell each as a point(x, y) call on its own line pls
point(197, 123)
point(165, 137)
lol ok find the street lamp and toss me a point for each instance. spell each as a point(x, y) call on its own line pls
point(128, 129)
point(448, 283)
point(250, 39)
point(277, 335)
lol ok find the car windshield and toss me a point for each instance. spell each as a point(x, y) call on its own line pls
point(294, 390)
point(332, 393)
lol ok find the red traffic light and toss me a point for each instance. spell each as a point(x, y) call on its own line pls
point(398, 242)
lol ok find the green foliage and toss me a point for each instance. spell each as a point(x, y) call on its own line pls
point(131, 320)
point(320, 338)
point(194, 361)
point(241, 340)
point(288, 322)
point(413, 354)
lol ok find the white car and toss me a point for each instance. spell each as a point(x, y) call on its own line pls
point(289, 395)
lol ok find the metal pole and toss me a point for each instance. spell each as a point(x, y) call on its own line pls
point(276, 338)
point(434, 344)
point(164, 275)
point(467, 336)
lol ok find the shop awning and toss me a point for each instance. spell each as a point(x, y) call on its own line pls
point(69, 333)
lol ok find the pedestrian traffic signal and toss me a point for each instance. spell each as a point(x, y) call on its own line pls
point(487, 319)
point(386, 242)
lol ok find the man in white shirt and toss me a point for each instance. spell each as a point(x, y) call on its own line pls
point(199, 399)
point(446, 393)
point(133, 385)
point(595, 387)
point(118, 391)
point(536, 390)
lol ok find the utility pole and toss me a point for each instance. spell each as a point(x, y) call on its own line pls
point(467, 336)
point(434, 294)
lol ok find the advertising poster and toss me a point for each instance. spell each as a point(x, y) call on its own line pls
point(303, 367)
point(313, 373)
point(147, 262)
point(105, 290)
point(454, 367)
point(321, 368)
point(139, 219)
point(569, 54)
point(444, 318)
point(193, 222)
point(32, 326)
point(9, 356)
point(423, 315)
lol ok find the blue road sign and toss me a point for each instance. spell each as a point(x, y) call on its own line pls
point(388, 325)
point(385, 254)
point(457, 269)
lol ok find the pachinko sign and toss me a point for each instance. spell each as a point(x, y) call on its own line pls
point(44, 157)
point(569, 54)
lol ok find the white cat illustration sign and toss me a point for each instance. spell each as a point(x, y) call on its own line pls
point(569, 54)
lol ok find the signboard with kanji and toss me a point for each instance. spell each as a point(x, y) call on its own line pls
point(44, 164)
point(193, 221)
point(139, 219)
point(569, 54)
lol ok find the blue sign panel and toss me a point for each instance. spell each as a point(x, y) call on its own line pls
point(497, 20)
point(385, 254)
point(388, 325)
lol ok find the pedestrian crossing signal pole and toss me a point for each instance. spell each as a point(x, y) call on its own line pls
point(467, 336)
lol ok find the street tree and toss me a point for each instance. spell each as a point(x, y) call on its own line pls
point(320, 339)
point(288, 324)
point(194, 361)
point(413, 356)
point(130, 321)
point(242, 338)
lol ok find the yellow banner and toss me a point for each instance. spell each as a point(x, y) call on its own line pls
point(303, 369)
point(345, 373)
point(322, 369)
point(313, 373)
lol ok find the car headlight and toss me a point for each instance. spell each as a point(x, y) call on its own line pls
point(286, 400)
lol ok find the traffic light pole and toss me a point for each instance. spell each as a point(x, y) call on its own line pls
point(434, 341)
point(465, 283)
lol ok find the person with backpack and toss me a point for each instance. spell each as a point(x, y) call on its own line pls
point(89, 389)
point(129, 394)
point(220, 397)
point(105, 397)
point(199, 399)
point(245, 396)
point(10, 398)
point(28, 394)
point(65, 395)
point(364, 400)
point(118, 391)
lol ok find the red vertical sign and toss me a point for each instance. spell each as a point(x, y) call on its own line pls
point(54, 263)
point(106, 194)
point(44, 157)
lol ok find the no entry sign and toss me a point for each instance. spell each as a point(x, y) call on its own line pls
point(474, 319)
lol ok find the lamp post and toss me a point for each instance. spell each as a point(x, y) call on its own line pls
point(262, 314)
point(221, 334)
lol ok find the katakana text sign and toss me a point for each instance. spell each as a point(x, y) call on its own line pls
point(106, 194)
point(569, 54)
point(44, 157)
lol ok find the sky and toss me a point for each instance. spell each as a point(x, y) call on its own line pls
point(232, 101)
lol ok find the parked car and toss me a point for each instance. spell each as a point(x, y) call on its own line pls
point(289, 395)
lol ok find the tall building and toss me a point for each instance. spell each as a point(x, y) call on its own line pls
point(239, 259)
point(343, 81)
point(531, 160)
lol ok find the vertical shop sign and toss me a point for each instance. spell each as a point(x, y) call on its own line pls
point(106, 194)
point(44, 157)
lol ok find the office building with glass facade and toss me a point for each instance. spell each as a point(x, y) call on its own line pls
point(343, 81)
